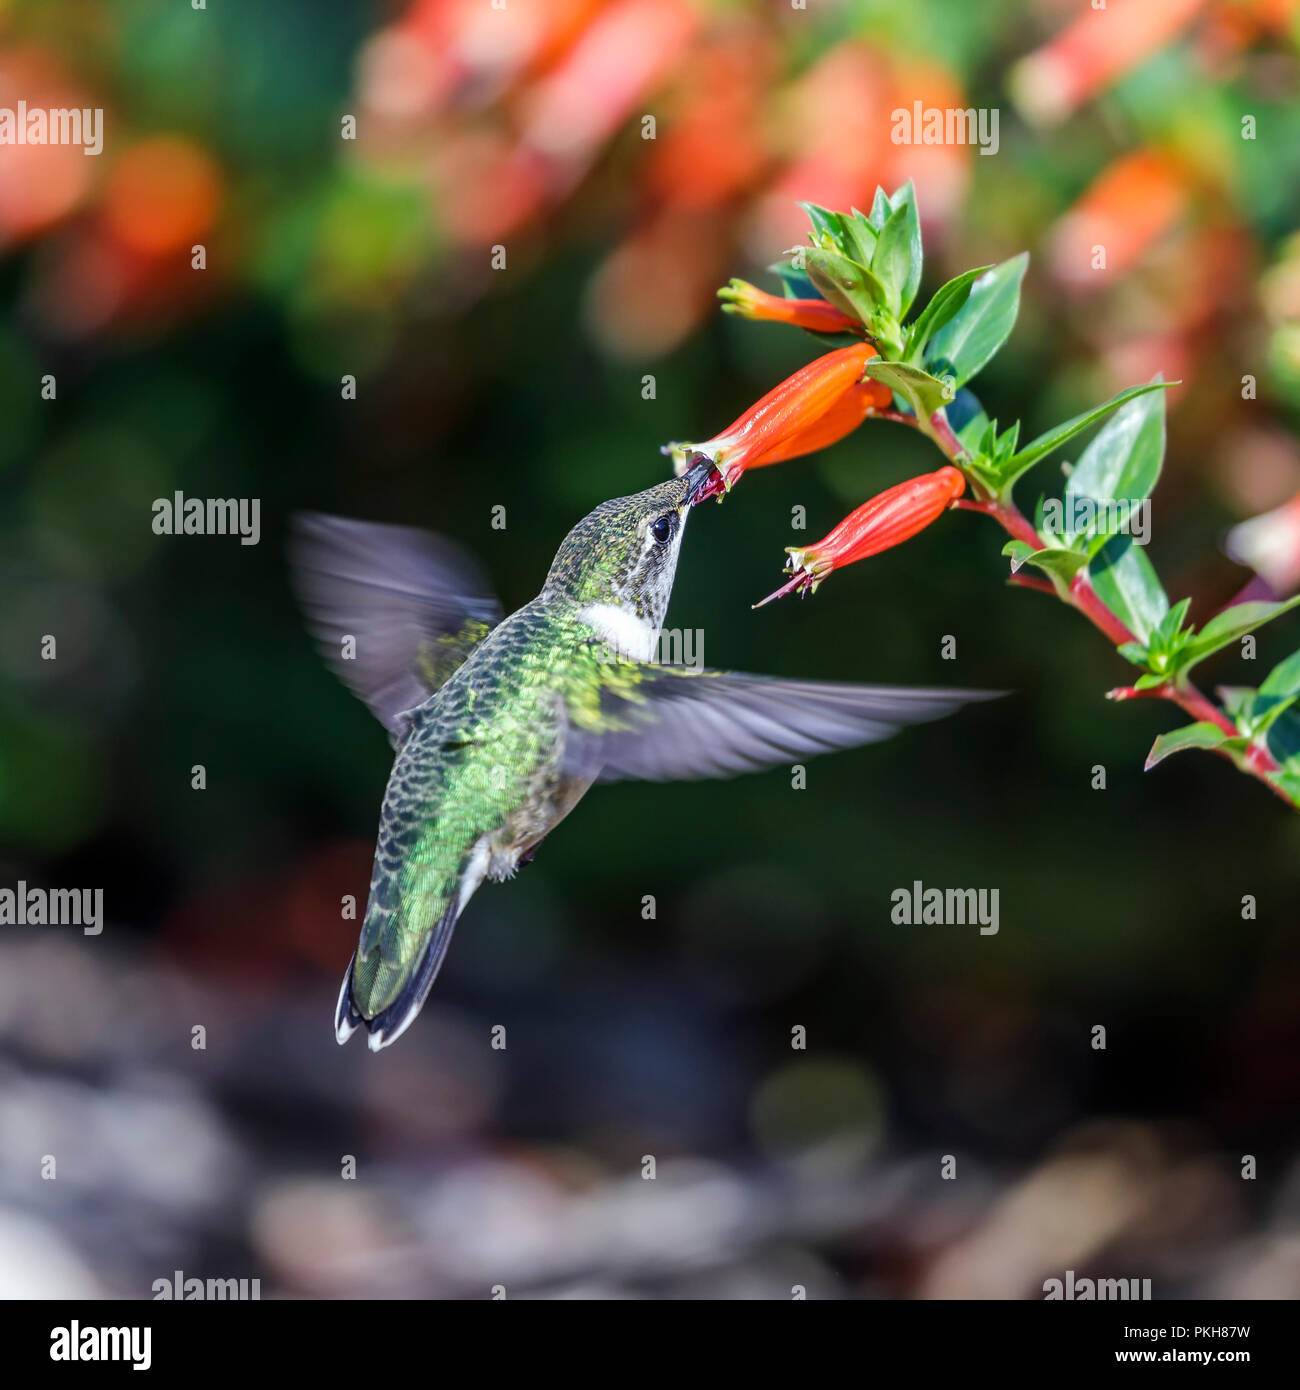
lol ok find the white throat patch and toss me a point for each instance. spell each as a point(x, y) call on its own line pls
point(627, 634)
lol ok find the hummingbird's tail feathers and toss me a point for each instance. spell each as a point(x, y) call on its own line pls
point(389, 1024)
point(346, 1018)
point(394, 610)
point(392, 1021)
point(404, 940)
point(670, 722)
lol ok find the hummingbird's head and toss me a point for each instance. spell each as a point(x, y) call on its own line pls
point(624, 554)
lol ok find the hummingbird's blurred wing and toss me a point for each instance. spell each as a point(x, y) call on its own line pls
point(414, 604)
point(662, 723)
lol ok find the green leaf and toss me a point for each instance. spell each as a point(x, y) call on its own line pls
point(859, 238)
point(1058, 560)
point(1226, 627)
point(905, 197)
point(882, 209)
point(1168, 638)
point(967, 341)
point(1267, 719)
point(1121, 465)
point(1284, 678)
point(891, 262)
point(795, 282)
point(1283, 740)
point(924, 393)
point(1059, 563)
point(1200, 735)
point(975, 432)
point(1053, 439)
point(1238, 700)
point(1169, 627)
point(825, 223)
point(1127, 584)
point(1018, 552)
point(943, 305)
point(846, 284)
point(1006, 441)
point(1253, 711)
point(1134, 652)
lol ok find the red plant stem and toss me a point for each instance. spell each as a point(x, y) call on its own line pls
point(945, 438)
point(1007, 515)
point(1131, 692)
point(1199, 707)
point(1261, 763)
point(1086, 601)
point(1257, 761)
point(1031, 581)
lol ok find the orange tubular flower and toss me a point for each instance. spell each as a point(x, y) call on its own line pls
point(896, 515)
point(780, 421)
point(840, 420)
point(752, 303)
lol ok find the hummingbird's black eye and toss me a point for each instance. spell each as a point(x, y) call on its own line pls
point(661, 528)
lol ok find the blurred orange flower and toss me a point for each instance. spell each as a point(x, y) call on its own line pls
point(1098, 47)
point(162, 196)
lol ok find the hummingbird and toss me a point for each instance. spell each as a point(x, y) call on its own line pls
point(500, 726)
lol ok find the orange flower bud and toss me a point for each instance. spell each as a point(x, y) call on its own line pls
point(896, 515)
point(815, 314)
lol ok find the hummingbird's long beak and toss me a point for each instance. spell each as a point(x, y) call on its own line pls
point(702, 481)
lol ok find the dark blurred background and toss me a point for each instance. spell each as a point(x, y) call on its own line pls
point(524, 388)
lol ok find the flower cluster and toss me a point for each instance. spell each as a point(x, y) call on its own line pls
point(857, 279)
